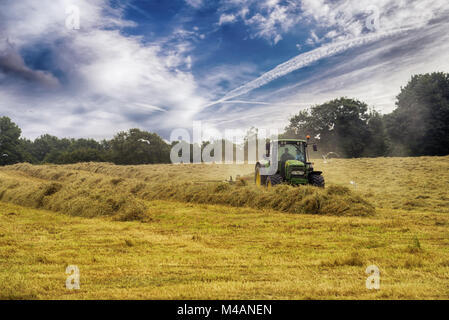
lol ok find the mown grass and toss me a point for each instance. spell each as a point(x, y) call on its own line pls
point(190, 251)
point(395, 183)
point(167, 248)
point(108, 190)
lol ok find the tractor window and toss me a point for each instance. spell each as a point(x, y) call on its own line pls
point(291, 152)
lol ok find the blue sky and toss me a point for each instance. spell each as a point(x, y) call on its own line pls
point(233, 64)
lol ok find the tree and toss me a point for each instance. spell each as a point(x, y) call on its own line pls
point(139, 147)
point(9, 142)
point(80, 150)
point(81, 155)
point(85, 144)
point(47, 148)
point(420, 124)
point(377, 144)
point(342, 126)
point(26, 149)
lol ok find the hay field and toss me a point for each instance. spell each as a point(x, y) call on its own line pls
point(181, 232)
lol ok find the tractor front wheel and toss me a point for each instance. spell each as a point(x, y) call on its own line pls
point(258, 178)
point(274, 180)
point(317, 181)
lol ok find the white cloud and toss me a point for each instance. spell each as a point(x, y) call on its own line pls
point(345, 31)
point(270, 19)
point(303, 60)
point(220, 78)
point(227, 18)
point(111, 82)
point(343, 19)
point(195, 3)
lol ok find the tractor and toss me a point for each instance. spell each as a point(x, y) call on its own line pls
point(293, 165)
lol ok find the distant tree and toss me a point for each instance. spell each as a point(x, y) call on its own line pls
point(80, 150)
point(378, 142)
point(26, 150)
point(9, 142)
point(138, 147)
point(420, 124)
point(343, 125)
point(51, 149)
point(85, 144)
point(46, 148)
point(81, 155)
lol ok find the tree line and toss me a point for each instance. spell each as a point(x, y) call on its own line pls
point(419, 126)
point(126, 148)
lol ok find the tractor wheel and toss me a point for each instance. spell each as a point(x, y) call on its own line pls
point(274, 180)
point(259, 179)
point(317, 180)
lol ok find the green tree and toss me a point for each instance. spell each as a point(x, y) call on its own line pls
point(80, 150)
point(81, 155)
point(138, 147)
point(377, 144)
point(9, 142)
point(420, 124)
point(26, 148)
point(47, 148)
point(342, 125)
point(85, 144)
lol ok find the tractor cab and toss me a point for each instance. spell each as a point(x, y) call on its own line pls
point(293, 164)
point(292, 150)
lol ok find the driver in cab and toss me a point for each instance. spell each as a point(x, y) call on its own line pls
point(284, 158)
point(287, 156)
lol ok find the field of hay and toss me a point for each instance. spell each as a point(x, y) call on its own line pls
point(182, 232)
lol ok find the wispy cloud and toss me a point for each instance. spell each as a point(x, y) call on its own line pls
point(195, 3)
point(304, 60)
point(108, 81)
point(260, 103)
point(345, 24)
point(150, 107)
point(343, 19)
point(373, 73)
point(227, 18)
point(266, 19)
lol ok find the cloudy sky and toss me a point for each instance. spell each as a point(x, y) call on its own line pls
point(159, 65)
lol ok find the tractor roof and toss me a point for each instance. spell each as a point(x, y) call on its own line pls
point(289, 140)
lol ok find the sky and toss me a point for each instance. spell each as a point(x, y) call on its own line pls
point(91, 68)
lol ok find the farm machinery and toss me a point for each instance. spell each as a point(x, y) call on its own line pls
point(293, 165)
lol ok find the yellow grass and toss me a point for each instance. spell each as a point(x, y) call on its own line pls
point(179, 250)
point(107, 190)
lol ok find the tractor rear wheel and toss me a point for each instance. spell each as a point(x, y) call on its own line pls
point(274, 180)
point(317, 180)
point(258, 178)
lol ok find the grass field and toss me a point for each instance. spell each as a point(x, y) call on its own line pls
point(179, 232)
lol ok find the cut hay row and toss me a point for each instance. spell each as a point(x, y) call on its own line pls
point(415, 184)
point(335, 200)
point(79, 197)
point(82, 192)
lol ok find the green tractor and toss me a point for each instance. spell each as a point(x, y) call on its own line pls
point(293, 165)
